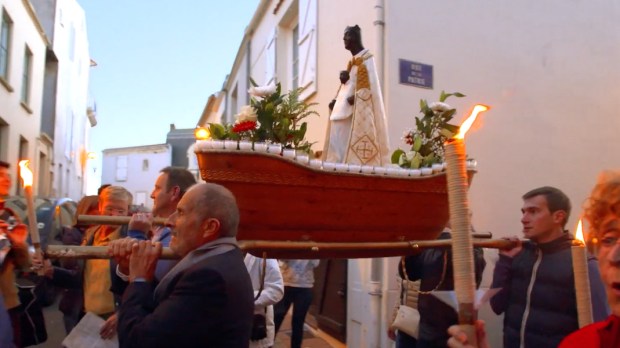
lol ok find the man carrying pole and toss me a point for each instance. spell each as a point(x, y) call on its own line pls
point(170, 186)
point(13, 240)
point(207, 298)
point(538, 293)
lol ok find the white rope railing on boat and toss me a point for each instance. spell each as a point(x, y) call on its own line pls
point(205, 146)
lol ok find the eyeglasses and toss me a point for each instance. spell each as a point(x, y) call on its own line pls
point(609, 241)
point(109, 210)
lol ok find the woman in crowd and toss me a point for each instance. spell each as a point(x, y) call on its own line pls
point(71, 300)
point(94, 279)
point(298, 282)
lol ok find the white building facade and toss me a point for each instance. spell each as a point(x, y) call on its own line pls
point(22, 64)
point(547, 69)
point(136, 169)
point(44, 70)
point(67, 114)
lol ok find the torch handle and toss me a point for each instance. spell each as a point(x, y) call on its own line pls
point(462, 244)
point(33, 225)
point(582, 284)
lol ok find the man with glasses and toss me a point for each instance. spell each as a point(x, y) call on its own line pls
point(602, 212)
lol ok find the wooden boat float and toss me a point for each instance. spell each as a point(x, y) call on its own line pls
point(283, 200)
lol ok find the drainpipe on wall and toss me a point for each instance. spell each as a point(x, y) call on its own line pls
point(379, 24)
point(376, 264)
point(375, 290)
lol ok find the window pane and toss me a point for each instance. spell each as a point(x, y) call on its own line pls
point(5, 34)
point(140, 198)
point(296, 57)
point(26, 76)
point(121, 161)
point(121, 174)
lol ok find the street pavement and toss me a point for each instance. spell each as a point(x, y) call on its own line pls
point(312, 338)
point(54, 325)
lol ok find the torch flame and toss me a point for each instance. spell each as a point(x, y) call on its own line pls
point(25, 173)
point(478, 108)
point(579, 232)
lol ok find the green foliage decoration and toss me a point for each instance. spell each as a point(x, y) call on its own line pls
point(271, 117)
point(433, 128)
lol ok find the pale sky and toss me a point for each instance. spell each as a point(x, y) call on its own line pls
point(157, 63)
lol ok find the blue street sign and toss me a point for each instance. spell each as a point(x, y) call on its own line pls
point(415, 74)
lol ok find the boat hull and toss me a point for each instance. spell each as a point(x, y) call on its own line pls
point(282, 200)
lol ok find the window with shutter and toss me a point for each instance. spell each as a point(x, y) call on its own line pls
point(307, 47)
point(270, 54)
point(5, 44)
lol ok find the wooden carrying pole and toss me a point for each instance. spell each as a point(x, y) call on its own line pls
point(309, 248)
point(90, 252)
point(111, 220)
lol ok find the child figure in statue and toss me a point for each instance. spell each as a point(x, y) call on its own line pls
point(343, 103)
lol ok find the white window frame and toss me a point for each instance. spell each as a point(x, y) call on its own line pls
point(26, 76)
point(308, 13)
point(6, 31)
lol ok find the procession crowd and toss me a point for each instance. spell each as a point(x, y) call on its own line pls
point(214, 294)
point(217, 296)
point(534, 280)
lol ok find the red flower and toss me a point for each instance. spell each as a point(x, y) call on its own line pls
point(408, 139)
point(244, 126)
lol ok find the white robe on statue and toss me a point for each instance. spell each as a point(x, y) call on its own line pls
point(360, 138)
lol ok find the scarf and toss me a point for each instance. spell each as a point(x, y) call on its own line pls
point(216, 247)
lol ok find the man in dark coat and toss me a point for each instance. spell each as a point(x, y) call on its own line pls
point(434, 268)
point(206, 300)
point(538, 290)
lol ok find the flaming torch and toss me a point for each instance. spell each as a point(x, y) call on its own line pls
point(462, 247)
point(27, 177)
point(582, 281)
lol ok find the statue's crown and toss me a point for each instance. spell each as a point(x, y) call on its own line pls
point(354, 28)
